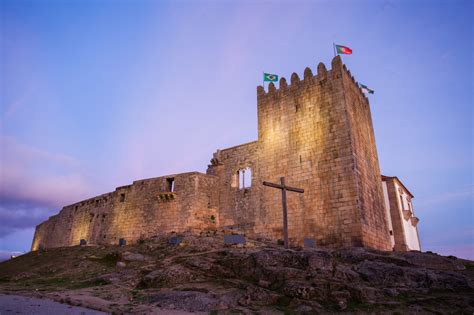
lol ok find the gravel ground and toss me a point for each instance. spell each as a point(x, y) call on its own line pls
point(15, 304)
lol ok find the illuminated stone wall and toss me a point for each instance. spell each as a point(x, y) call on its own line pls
point(238, 208)
point(316, 132)
point(143, 209)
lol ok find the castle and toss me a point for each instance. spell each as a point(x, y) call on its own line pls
point(316, 132)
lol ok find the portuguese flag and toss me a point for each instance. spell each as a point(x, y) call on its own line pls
point(343, 50)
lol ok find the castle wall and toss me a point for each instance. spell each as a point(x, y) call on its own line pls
point(143, 209)
point(317, 132)
point(304, 137)
point(370, 202)
point(238, 208)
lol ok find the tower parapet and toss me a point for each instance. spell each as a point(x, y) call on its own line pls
point(338, 69)
point(315, 131)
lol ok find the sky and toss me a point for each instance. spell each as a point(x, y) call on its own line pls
point(96, 94)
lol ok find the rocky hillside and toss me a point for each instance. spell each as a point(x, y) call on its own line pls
point(202, 275)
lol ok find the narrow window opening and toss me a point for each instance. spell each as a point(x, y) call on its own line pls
point(391, 232)
point(248, 177)
point(245, 178)
point(122, 197)
point(170, 184)
point(241, 179)
point(401, 203)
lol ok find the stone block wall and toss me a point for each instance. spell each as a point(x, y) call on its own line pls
point(317, 132)
point(143, 209)
point(370, 203)
point(304, 136)
point(238, 208)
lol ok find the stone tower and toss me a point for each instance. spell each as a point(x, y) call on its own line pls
point(318, 133)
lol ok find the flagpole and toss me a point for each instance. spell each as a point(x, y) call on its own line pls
point(334, 46)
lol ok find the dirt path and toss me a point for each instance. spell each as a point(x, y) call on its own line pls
point(16, 304)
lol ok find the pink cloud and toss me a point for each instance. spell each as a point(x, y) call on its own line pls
point(37, 176)
point(461, 193)
point(465, 251)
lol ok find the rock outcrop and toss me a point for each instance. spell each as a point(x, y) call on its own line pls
point(200, 274)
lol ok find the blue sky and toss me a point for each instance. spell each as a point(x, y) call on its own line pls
point(96, 94)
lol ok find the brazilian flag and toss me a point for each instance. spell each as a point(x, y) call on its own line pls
point(267, 77)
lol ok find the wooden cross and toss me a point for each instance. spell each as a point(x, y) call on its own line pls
point(284, 188)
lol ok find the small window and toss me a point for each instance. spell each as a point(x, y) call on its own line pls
point(401, 202)
point(245, 178)
point(391, 232)
point(170, 184)
point(122, 197)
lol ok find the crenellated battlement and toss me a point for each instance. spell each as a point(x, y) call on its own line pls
point(322, 75)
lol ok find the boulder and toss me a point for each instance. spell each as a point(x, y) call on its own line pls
point(128, 256)
point(121, 264)
point(166, 277)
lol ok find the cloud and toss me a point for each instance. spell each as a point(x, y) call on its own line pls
point(16, 104)
point(453, 241)
point(34, 183)
point(465, 251)
point(33, 176)
point(16, 215)
point(459, 194)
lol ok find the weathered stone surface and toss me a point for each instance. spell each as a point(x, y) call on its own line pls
point(264, 279)
point(121, 264)
point(128, 256)
point(315, 132)
point(167, 277)
point(189, 301)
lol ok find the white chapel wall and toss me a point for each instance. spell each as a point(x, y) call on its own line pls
point(411, 234)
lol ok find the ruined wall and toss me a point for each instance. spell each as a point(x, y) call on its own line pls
point(237, 207)
point(143, 209)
